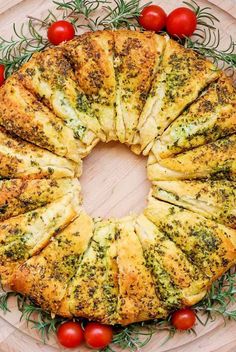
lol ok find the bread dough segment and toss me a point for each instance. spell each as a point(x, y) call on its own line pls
point(160, 99)
point(182, 75)
point(25, 235)
point(137, 56)
point(92, 56)
point(137, 299)
point(208, 245)
point(215, 200)
point(19, 159)
point(19, 196)
point(50, 77)
point(211, 117)
point(46, 276)
point(216, 160)
point(177, 281)
point(93, 291)
point(22, 114)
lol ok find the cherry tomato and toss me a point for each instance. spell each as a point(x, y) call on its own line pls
point(70, 334)
point(183, 319)
point(153, 18)
point(60, 31)
point(98, 335)
point(2, 76)
point(181, 22)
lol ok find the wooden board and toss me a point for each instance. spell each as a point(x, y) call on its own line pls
point(114, 183)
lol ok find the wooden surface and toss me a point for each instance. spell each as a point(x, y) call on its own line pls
point(114, 183)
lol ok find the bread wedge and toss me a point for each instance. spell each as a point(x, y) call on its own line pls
point(211, 117)
point(181, 77)
point(215, 200)
point(45, 276)
point(216, 160)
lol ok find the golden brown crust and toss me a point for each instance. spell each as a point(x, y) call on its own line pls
point(137, 56)
point(25, 235)
point(49, 76)
point(19, 159)
point(215, 200)
point(208, 245)
point(179, 80)
point(176, 280)
point(45, 277)
point(216, 160)
point(22, 114)
point(211, 117)
point(93, 291)
point(18, 196)
point(92, 57)
point(137, 300)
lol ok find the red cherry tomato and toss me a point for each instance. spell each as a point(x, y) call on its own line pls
point(2, 74)
point(70, 334)
point(98, 335)
point(153, 18)
point(183, 319)
point(60, 31)
point(181, 22)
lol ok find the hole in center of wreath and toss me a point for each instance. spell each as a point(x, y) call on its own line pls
point(114, 181)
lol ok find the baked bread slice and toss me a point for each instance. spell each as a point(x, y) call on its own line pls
point(22, 114)
point(93, 292)
point(216, 160)
point(137, 299)
point(45, 276)
point(91, 55)
point(181, 77)
point(211, 117)
point(215, 200)
point(209, 246)
point(19, 196)
point(25, 235)
point(178, 282)
point(19, 159)
point(137, 56)
point(50, 77)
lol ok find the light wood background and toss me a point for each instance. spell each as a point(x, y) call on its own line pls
point(114, 183)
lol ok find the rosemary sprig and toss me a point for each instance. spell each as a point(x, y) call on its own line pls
point(220, 298)
point(206, 39)
point(218, 301)
point(123, 15)
point(205, 18)
point(81, 12)
point(208, 46)
point(40, 320)
point(20, 47)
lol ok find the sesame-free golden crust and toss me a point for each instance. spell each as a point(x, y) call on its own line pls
point(178, 82)
point(25, 235)
point(20, 159)
point(22, 114)
point(208, 245)
point(211, 117)
point(216, 160)
point(137, 300)
point(132, 87)
point(93, 291)
point(178, 282)
point(49, 76)
point(92, 57)
point(45, 277)
point(137, 56)
point(215, 200)
point(19, 196)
